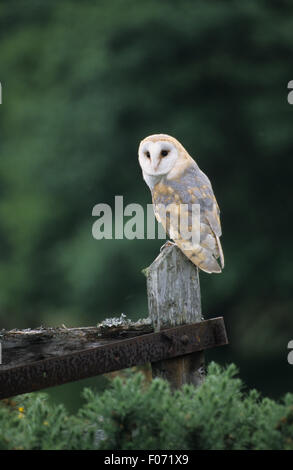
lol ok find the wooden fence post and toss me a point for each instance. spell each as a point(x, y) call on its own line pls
point(174, 299)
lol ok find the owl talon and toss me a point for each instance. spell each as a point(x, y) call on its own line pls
point(168, 243)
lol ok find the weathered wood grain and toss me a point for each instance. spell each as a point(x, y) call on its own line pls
point(20, 347)
point(174, 299)
point(104, 355)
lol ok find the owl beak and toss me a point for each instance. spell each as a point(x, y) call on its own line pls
point(155, 165)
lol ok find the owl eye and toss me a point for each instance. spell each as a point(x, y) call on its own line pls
point(148, 154)
point(164, 153)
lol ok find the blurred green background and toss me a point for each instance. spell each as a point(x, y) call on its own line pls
point(83, 83)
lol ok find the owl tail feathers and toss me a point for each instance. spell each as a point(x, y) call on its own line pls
point(202, 257)
point(209, 265)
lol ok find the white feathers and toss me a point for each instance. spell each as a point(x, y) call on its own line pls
point(157, 158)
point(151, 180)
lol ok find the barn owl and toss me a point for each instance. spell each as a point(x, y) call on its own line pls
point(176, 181)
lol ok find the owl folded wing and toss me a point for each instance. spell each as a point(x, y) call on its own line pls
point(194, 188)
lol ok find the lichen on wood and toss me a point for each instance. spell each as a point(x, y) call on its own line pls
point(30, 345)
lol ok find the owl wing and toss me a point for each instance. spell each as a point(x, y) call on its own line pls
point(193, 187)
point(211, 210)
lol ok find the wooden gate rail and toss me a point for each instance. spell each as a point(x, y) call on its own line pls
point(33, 360)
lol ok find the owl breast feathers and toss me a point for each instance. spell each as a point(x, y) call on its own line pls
point(178, 185)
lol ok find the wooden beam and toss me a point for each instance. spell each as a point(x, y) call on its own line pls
point(21, 347)
point(47, 362)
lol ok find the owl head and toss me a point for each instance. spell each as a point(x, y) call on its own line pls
point(158, 154)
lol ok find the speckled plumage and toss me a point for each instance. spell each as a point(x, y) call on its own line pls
point(180, 181)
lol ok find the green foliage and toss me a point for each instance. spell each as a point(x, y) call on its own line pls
point(133, 415)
